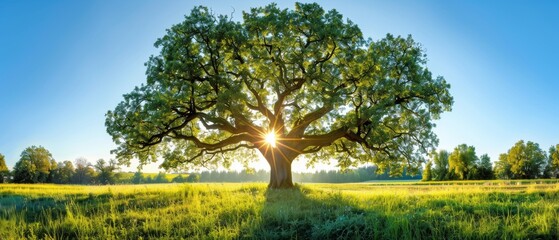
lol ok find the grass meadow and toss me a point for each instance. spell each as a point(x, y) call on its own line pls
point(373, 210)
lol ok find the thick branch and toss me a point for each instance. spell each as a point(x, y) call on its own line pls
point(302, 124)
point(213, 146)
point(212, 153)
point(157, 138)
point(260, 107)
point(322, 140)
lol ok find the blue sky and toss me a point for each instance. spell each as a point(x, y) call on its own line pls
point(64, 64)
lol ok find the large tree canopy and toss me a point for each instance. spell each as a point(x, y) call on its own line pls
point(305, 78)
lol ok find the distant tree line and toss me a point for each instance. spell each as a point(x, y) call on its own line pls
point(524, 160)
point(36, 165)
point(333, 176)
point(142, 178)
point(361, 174)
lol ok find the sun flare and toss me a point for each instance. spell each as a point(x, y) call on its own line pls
point(270, 138)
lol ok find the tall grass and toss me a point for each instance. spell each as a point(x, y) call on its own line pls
point(250, 211)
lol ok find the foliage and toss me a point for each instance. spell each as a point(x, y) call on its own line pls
point(552, 168)
point(161, 178)
point(34, 166)
point(249, 211)
point(4, 172)
point(179, 179)
point(484, 168)
point(522, 161)
point(63, 173)
point(427, 172)
point(193, 178)
point(106, 171)
point(138, 178)
point(84, 172)
point(308, 75)
point(502, 167)
point(441, 171)
point(462, 161)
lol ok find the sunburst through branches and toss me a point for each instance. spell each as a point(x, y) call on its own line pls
point(270, 139)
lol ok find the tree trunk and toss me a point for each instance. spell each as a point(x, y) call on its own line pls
point(280, 168)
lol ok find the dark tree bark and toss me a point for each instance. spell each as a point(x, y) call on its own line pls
point(279, 159)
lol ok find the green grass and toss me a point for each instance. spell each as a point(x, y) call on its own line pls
point(405, 210)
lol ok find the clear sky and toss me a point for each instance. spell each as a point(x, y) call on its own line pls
point(64, 64)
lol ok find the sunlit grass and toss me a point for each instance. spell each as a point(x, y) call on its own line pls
point(493, 209)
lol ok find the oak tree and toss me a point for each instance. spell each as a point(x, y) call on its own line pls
point(284, 83)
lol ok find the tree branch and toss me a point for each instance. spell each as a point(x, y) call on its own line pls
point(322, 140)
point(213, 146)
point(205, 152)
point(301, 125)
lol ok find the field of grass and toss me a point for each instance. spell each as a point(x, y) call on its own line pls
point(377, 210)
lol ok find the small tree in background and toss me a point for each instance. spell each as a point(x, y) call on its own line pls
point(193, 178)
point(4, 172)
point(427, 172)
point(462, 161)
point(484, 168)
point(138, 178)
point(526, 160)
point(502, 167)
point(106, 171)
point(34, 165)
point(161, 178)
point(440, 172)
point(179, 179)
point(84, 174)
point(552, 168)
point(63, 173)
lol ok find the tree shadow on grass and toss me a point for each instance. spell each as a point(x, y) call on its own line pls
point(294, 214)
point(304, 213)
